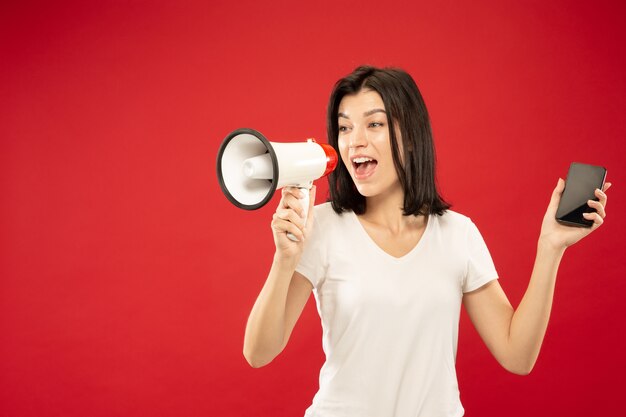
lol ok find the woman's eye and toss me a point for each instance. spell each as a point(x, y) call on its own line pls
point(343, 128)
point(376, 124)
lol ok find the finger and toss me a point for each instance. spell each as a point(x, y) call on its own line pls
point(291, 216)
point(595, 217)
point(283, 226)
point(292, 202)
point(598, 206)
point(291, 191)
point(606, 186)
point(601, 196)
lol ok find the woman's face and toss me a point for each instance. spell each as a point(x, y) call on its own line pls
point(364, 143)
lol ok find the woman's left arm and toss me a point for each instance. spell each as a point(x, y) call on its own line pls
point(514, 337)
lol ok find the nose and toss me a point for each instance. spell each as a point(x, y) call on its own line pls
point(357, 139)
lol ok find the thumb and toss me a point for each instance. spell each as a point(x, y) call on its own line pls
point(311, 201)
point(311, 212)
point(556, 194)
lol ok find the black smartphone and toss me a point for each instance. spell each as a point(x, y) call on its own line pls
point(580, 185)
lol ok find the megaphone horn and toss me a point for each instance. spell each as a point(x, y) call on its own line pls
point(250, 168)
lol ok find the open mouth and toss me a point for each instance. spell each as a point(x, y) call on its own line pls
point(364, 166)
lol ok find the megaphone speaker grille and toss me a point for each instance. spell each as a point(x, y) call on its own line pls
point(244, 192)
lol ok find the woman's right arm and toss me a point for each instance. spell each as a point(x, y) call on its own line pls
point(286, 291)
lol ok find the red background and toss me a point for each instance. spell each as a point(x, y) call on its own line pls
point(127, 277)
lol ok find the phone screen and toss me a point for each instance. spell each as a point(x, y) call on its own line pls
point(580, 185)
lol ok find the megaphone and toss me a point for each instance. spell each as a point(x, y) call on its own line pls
point(250, 168)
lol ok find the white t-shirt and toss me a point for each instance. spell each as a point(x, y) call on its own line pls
point(390, 325)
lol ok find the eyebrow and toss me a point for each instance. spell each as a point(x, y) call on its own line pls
point(367, 113)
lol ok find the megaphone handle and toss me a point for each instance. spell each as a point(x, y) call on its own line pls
point(304, 201)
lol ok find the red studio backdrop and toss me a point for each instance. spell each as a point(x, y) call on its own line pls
point(126, 277)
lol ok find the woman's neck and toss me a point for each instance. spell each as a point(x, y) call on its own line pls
point(387, 210)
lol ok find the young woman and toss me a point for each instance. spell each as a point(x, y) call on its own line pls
point(390, 264)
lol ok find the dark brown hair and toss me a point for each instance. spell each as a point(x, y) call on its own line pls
point(405, 106)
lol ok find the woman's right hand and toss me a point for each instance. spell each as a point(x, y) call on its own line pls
point(288, 218)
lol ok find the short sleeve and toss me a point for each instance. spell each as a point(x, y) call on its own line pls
point(480, 268)
point(311, 264)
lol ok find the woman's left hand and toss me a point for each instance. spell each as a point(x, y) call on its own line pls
point(560, 236)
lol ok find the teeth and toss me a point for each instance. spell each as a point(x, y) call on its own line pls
point(360, 160)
